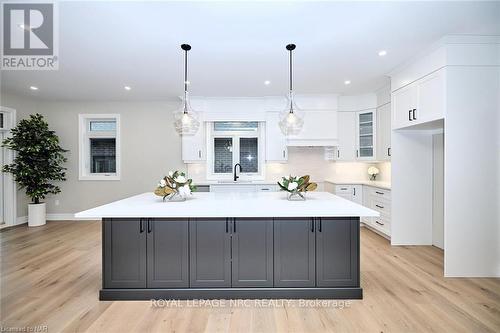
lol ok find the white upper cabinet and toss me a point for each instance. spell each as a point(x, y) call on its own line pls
point(384, 132)
point(320, 129)
point(276, 148)
point(346, 149)
point(365, 135)
point(194, 146)
point(420, 102)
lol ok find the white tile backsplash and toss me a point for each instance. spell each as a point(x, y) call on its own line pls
point(309, 160)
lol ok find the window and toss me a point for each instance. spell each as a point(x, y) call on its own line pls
point(235, 142)
point(99, 146)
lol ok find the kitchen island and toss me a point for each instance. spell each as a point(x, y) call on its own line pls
point(230, 245)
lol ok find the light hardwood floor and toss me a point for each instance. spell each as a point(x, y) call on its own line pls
point(51, 276)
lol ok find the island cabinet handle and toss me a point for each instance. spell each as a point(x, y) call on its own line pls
point(141, 226)
point(234, 225)
point(150, 225)
point(227, 225)
point(312, 225)
point(320, 224)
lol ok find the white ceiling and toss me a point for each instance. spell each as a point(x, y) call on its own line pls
point(239, 45)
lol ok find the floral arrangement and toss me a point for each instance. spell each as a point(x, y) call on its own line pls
point(373, 172)
point(297, 186)
point(175, 186)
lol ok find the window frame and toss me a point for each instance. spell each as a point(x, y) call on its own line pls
point(84, 136)
point(235, 136)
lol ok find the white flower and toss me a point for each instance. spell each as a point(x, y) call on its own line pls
point(174, 185)
point(373, 170)
point(184, 191)
point(162, 183)
point(170, 173)
point(292, 186)
point(180, 179)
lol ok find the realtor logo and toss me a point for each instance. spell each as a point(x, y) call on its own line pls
point(30, 39)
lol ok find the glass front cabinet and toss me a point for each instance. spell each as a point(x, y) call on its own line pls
point(365, 137)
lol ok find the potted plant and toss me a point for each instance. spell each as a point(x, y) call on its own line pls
point(175, 187)
point(296, 187)
point(37, 163)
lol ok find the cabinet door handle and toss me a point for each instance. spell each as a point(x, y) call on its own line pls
point(378, 222)
point(283, 153)
point(379, 206)
point(389, 151)
point(141, 226)
point(150, 225)
point(312, 225)
point(338, 153)
point(357, 153)
point(320, 224)
point(199, 153)
point(227, 225)
point(409, 115)
point(234, 225)
point(414, 115)
point(354, 190)
point(381, 193)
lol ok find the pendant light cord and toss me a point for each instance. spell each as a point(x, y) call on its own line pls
point(291, 72)
point(185, 79)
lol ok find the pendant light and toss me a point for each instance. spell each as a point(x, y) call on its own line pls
point(186, 120)
point(291, 121)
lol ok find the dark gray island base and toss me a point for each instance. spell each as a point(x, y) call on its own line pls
point(228, 258)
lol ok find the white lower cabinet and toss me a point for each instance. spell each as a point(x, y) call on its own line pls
point(372, 197)
point(244, 188)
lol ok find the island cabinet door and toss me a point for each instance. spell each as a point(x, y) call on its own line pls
point(210, 253)
point(252, 252)
point(124, 252)
point(294, 257)
point(167, 253)
point(337, 248)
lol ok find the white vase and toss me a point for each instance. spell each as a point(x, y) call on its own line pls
point(36, 214)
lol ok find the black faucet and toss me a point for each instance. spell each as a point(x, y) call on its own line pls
point(236, 177)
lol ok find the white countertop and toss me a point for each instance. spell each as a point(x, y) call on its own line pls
point(374, 183)
point(232, 204)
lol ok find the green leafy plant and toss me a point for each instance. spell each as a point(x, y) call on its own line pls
point(175, 183)
point(39, 158)
point(297, 184)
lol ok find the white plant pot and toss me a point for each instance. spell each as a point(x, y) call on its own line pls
point(36, 214)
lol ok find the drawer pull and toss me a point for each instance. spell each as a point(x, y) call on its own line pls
point(343, 188)
point(264, 189)
point(379, 223)
point(379, 206)
point(381, 193)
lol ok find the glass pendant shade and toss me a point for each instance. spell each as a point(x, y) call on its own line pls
point(186, 120)
point(291, 120)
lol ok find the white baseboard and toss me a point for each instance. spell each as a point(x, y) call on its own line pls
point(55, 217)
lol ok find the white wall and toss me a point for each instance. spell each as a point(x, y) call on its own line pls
point(150, 147)
point(438, 190)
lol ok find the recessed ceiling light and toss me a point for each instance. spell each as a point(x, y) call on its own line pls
point(127, 88)
point(267, 82)
point(347, 82)
point(382, 53)
point(33, 88)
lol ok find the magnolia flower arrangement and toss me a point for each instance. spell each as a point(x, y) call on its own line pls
point(175, 186)
point(297, 186)
point(373, 172)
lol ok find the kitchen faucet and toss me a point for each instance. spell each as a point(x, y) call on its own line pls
point(235, 176)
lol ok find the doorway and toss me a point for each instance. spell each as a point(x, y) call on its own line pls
point(7, 184)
